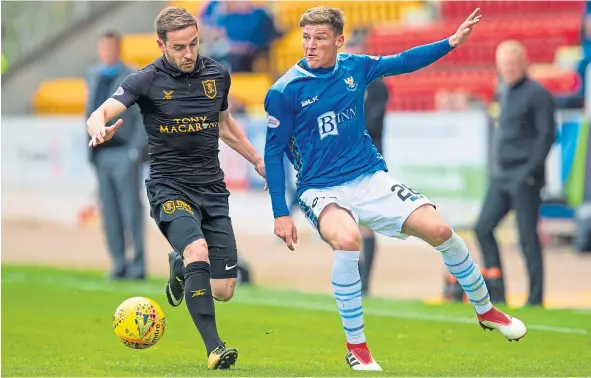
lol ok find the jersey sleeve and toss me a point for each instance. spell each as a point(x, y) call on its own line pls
point(228, 82)
point(132, 88)
point(280, 122)
point(406, 61)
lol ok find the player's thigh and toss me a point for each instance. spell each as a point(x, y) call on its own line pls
point(331, 213)
point(427, 224)
point(180, 223)
point(223, 255)
point(391, 208)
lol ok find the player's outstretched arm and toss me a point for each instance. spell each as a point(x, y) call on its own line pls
point(126, 95)
point(280, 120)
point(232, 135)
point(420, 56)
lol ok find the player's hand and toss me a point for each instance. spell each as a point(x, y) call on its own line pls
point(260, 168)
point(286, 230)
point(100, 134)
point(465, 29)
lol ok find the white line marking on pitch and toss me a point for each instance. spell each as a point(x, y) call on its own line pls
point(152, 290)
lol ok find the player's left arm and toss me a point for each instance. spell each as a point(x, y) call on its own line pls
point(232, 135)
point(420, 56)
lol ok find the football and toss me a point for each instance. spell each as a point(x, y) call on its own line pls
point(139, 322)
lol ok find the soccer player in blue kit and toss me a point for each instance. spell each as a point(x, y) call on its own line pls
point(315, 114)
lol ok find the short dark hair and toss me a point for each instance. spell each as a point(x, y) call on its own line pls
point(111, 34)
point(171, 19)
point(324, 15)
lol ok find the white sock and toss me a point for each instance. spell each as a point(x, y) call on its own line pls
point(346, 283)
point(459, 263)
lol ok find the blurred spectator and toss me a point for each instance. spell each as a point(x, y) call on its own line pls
point(524, 137)
point(118, 163)
point(239, 32)
point(577, 100)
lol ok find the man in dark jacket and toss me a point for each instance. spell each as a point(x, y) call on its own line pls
point(118, 164)
point(525, 134)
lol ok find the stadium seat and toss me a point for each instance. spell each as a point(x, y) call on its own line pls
point(286, 52)
point(139, 50)
point(500, 9)
point(66, 96)
point(256, 110)
point(193, 7)
point(357, 13)
point(250, 88)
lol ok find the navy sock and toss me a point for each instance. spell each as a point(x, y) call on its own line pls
point(200, 303)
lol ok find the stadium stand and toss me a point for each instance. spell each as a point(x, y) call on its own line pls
point(543, 30)
point(552, 34)
point(63, 96)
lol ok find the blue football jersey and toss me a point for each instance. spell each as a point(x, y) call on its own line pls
point(316, 117)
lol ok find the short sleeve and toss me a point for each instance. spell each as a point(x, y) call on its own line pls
point(132, 88)
point(228, 83)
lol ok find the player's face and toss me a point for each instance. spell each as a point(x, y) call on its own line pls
point(321, 45)
point(182, 48)
point(511, 66)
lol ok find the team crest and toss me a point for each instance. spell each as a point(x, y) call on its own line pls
point(351, 84)
point(209, 88)
point(169, 207)
point(168, 95)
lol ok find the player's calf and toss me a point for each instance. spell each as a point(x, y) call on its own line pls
point(428, 225)
point(198, 293)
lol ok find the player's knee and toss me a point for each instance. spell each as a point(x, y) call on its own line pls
point(224, 295)
point(347, 241)
point(196, 251)
point(481, 231)
point(439, 233)
point(223, 290)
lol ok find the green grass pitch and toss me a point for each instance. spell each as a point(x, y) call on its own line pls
point(58, 323)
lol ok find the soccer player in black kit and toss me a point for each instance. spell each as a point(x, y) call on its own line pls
point(183, 98)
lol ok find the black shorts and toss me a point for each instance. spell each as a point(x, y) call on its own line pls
point(185, 214)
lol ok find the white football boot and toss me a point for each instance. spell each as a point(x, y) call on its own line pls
point(512, 328)
point(358, 357)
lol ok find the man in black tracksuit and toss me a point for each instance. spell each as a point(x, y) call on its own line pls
point(525, 134)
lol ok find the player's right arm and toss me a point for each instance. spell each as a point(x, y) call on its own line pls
point(420, 56)
point(280, 124)
point(126, 95)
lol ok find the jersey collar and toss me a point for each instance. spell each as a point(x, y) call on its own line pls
point(175, 72)
point(303, 67)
